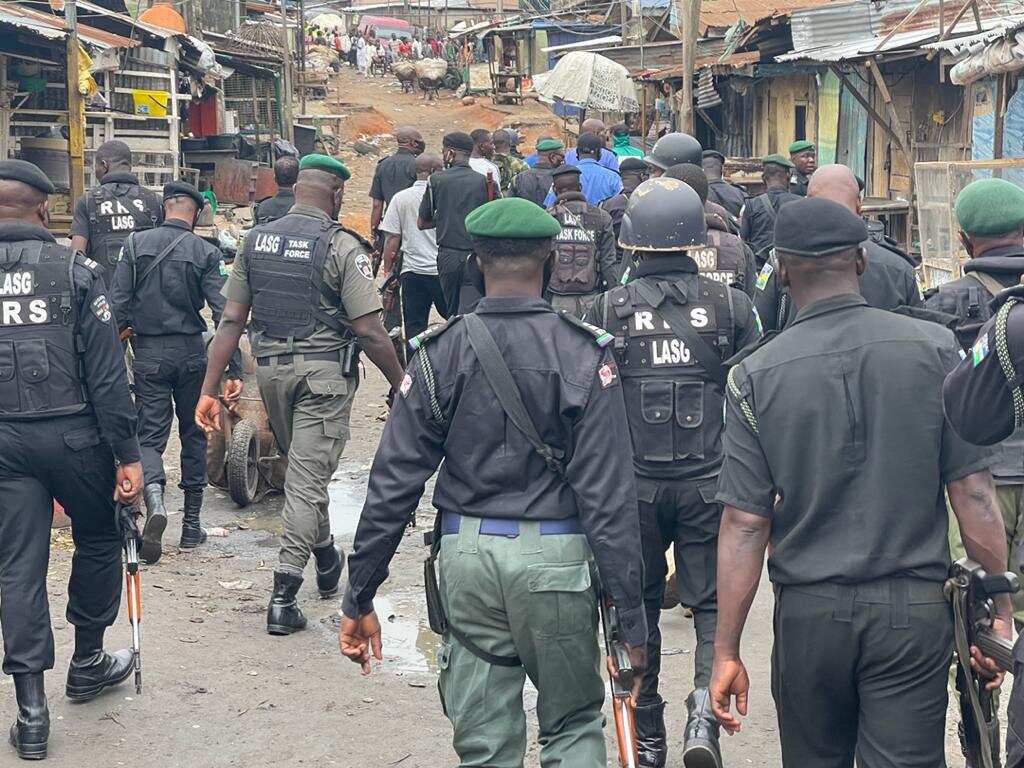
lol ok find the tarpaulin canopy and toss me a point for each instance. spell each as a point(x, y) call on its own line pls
point(1004, 55)
point(589, 81)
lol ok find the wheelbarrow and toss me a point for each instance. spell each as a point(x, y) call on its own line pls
point(244, 458)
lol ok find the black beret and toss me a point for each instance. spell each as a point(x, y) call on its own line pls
point(589, 142)
point(26, 173)
point(183, 189)
point(564, 170)
point(458, 140)
point(814, 226)
point(713, 153)
point(632, 165)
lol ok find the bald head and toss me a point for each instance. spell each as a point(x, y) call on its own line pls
point(408, 137)
point(427, 164)
point(320, 189)
point(836, 183)
point(23, 202)
point(592, 125)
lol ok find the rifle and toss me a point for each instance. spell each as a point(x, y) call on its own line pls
point(970, 590)
point(130, 538)
point(622, 702)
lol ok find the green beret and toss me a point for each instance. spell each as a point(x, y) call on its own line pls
point(990, 207)
point(548, 145)
point(325, 163)
point(512, 217)
point(800, 146)
point(777, 160)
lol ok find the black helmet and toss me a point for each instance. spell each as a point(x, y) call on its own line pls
point(673, 149)
point(663, 215)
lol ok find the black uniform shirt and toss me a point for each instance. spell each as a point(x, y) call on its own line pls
point(103, 359)
point(80, 218)
point(533, 184)
point(757, 227)
point(571, 390)
point(798, 184)
point(978, 398)
point(452, 194)
point(393, 174)
point(273, 208)
point(840, 417)
point(727, 195)
point(170, 299)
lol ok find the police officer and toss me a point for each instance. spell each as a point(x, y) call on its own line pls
point(836, 456)
point(757, 225)
point(803, 156)
point(888, 281)
point(673, 329)
point(726, 259)
point(393, 174)
point(286, 171)
point(518, 582)
point(508, 165)
point(160, 285)
point(309, 285)
point(728, 195)
point(672, 149)
point(451, 195)
point(118, 205)
point(534, 183)
point(67, 432)
point(586, 261)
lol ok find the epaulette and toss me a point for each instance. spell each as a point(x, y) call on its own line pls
point(362, 240)
point(85, 261)
point(601, 337)
point(432, 333)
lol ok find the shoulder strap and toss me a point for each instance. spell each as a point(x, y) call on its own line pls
point(508, 394)
point(988, 282)
point(600, 336)
point(765, 198)
point(162, 255)
point(708, 358)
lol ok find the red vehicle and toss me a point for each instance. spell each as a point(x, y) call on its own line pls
point(384, 26)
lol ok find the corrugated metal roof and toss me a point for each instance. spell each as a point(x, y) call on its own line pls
point(53, 27)
point(724, 13)
point(960, 45)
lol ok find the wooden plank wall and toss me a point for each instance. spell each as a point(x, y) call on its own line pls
point(775, 102)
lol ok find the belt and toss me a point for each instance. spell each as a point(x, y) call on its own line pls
point(509, 526)
point(140, 340)
point(335, 356)
point(898, 593)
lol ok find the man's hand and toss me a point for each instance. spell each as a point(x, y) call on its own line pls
point(729, 679)
point(638, 661)
point(982, 664)
point(208, 413)
point(357, 638)
point(232, 391)
point(128, 482)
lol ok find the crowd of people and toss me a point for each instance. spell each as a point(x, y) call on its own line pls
point(636, 355)
point(360, 49)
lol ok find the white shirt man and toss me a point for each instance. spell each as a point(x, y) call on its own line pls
point(485, 167)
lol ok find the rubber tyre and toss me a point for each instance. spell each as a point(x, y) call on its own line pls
point(243, 474)
point(451, 81)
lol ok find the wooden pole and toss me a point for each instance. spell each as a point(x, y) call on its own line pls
point(302, 56)
point(175, 122)
point(690, 17)
point(1000, 116)
point(76, 107)
point(949, 29)
point(900, 25)
point(288, 79)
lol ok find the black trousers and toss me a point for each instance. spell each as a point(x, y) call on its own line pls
point(1015, 710)
point(861, 671)
point(451, 265)
point(60, 458)
point(683, 513)
point(419, 294)
point(169, 373)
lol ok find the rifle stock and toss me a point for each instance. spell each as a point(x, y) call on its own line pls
point(622, 702)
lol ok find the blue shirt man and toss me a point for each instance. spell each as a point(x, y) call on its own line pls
point(598, 181)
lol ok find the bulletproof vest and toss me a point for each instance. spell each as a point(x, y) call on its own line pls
point(116, 210)
point(615, 206)
point(723, 259)
point(575, 271)
point(41, 373)
point(674, 406)
point(285, 261)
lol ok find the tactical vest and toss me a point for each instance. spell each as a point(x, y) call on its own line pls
point(285, 261)
point(615, 206)
point(113, 216)
point(723, 260)
point(41, 373)
point(575, 270)
point(674, 406)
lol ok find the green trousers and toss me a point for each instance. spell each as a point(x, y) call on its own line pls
point(308, 405)
point(1010, 501)
point(536, 597)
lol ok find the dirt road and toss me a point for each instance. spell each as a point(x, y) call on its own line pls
point(219, 691)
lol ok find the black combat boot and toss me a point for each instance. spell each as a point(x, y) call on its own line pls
point(330, 560)
point(283, 614)
point(192, 535)
point(92, 669)
point(651, 745)
point(32, 728)
point(156, 521)
point(700, 740)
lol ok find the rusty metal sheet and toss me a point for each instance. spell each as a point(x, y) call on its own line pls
point(234, 181)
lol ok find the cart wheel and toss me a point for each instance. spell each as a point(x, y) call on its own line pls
point(243, 474)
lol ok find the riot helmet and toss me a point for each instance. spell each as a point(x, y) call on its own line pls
point(673, 149)
point(663, 214)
